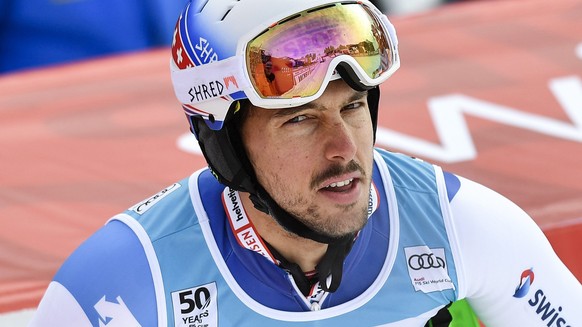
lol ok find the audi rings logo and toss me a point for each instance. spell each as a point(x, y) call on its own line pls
point(425, 261)
point(427, 270)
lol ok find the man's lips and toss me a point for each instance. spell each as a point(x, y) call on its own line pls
point(340, 182)
point(347, 194)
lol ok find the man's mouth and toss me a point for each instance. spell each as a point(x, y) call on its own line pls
point(345, 187)
point(342, 191)
point(339, 186)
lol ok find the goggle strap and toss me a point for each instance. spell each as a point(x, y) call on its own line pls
point(207, 82)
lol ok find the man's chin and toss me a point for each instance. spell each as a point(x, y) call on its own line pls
point(337, 233)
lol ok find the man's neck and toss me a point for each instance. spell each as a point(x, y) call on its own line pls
point(304, 252)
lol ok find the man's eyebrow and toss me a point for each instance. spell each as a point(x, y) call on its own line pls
point(281, 113)
point(356, 95)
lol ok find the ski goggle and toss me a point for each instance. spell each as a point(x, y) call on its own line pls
point(291, 62)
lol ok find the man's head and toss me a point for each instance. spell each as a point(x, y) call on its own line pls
point(219, 53)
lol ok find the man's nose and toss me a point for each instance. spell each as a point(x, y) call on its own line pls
point(340, 143)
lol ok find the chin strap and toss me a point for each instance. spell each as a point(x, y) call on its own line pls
point(302, 282)
point(329, 270)
point(331, 266)
point(265, 203)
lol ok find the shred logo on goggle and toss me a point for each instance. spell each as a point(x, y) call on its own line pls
point(212, 89)
point(205, 91)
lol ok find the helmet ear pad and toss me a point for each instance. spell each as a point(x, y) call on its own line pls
point(224, 153)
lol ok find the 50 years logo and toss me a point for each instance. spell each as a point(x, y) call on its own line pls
point(196, 307)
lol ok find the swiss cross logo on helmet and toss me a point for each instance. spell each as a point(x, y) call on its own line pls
point(179, 55)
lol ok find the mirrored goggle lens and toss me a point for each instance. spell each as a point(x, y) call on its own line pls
point(292, 58)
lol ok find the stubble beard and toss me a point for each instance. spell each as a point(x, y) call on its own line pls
point(340, 220)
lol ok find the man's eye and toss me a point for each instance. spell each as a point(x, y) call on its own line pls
point(354, 105)
point(297, 119)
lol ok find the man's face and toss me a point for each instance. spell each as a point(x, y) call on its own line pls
point(316, 160)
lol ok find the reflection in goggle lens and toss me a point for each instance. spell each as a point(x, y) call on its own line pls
point(292, 58)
